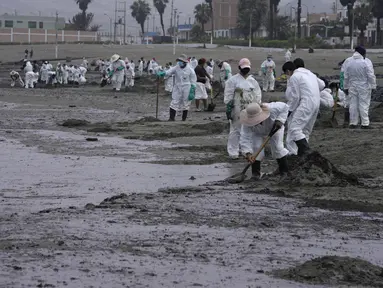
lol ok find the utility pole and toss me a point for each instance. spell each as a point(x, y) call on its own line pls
point(57, 47)
point(154, 19)
point(120, 13)
point(299, 12)
point(251, 27)
point(178, 23)
point(171, 19)
point(175, 32)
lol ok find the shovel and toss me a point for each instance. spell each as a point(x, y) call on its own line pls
point(240, 177)
point(211, 106)
point(334, 122)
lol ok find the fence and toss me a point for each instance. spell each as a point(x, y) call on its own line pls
point(24, 35)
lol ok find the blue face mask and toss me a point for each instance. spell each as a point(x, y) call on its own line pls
point(181, 64)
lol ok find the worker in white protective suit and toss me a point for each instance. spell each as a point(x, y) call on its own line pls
point(240, 90)
point(169, 80)
point(28, 67)
point(30, 79)
point(132, 65)
point(359, 80)
point(184, 87)
point(257, 123)
point(49, 66)
point(326, 96)
point(15, 78)
point(84, 63)
point(44, 72)
point(225, 72)
point(65, 71)
point(129, 76)
point(303, 96)
point(209, 70)
point(193, 62)
point(140, 67)
point(268, 72)
point(83, 70)
point(118, 72)
point(76, 75)
point(59, 73)
point(288, 55)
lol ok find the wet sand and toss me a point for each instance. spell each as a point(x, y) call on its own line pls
point(145, 204)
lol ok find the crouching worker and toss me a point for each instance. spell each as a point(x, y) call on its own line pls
point(257, 122)
point(15, 77)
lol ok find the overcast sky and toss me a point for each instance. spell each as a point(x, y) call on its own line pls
point(68, 8)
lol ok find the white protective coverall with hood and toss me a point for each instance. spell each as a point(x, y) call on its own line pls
point(193, 62)
point(225, 72)
point(129, 75)
point(252, 137)
point(118, 68)
point(326, 98)
point(169, 80)
point(288, 55)
point(267, 68)
point(65, 71)
point(15, 77)
point(242, 91)
point(140, 68)
point(44, 72)
point(183, 80)
point(30, 79)
point(303, 95)
point(359, 79)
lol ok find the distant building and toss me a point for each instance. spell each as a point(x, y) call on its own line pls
point(31, 22)
point(225, 18)
point(184, 31)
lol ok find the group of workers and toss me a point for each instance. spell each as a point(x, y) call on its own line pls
point(251, 120)
point(47, 74)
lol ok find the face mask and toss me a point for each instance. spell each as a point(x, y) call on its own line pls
point(245, 71)
point(268, 59)
point(181, 64)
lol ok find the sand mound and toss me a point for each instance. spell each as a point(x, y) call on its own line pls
point(318, 171)
point(334, 270)
point(146, 120)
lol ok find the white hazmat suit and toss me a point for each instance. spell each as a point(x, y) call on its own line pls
point(303, 95)
point(326, 98)
point(183, 79)
point(129, 76)
point(118, 68)
point(242, 91)
point(193, 63)
point(288, 55)
point(252, 137)
point(225, 73)
point(359, 79)
point(268, 67)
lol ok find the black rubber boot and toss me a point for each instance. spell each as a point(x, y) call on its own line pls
point(172, 114)
point(184, 115)
point(346, 121)
point(283, 165)
point(365, 127)
point(256, 170)
point(303, 147)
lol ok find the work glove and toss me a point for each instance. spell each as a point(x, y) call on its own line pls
point(161, 74)
point(346, 91)
point(110, 74)
point(226, 74)
point(229, 109)
point(278, 125)
point(192, 93)
point(120, 68)
point(250, 158)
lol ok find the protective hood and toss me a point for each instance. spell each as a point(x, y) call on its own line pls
point(357, 55)
point(302, 70)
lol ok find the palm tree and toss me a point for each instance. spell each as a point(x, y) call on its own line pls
point(83, 5)
point(350, 8)
point(140, 11)
point(254, 10)
point(161, 6)
point(202, 14)
point(363, 16)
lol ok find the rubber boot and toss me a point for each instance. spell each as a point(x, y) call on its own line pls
point(303, 147)
point(256, 170)
point(346, 121)
point(283, 169)
point(172, 114)
point(184, 115)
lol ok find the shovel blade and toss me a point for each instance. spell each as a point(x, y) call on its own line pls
point(237, 178)
point(211, 107)
point(334, 123)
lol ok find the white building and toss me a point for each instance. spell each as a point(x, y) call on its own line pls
point(31, 22)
